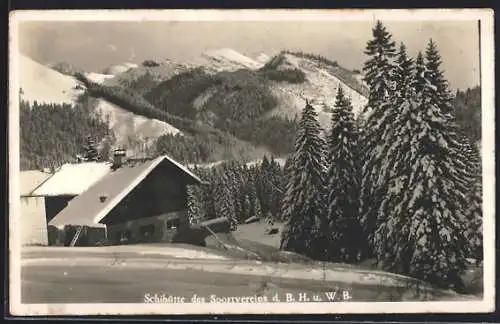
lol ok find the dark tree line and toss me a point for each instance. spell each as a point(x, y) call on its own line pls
point(54, 134)
point(467, 106)
point(238, 192)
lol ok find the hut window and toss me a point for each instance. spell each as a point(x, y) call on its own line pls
point(147, 230)
point(173, 223)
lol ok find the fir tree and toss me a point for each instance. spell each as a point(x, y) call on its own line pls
point(90, 150)
point(276, 187)
point(257, 209)
point(378, 69)
point(379, 75)
point(420, 73)
point(404, 74)
point(343, 183)
point(302, 207)
point(264, 184)
point(423, 232)
point(475, 220)
point(224, 203)
point(247, 206)
point(194, 212)
point(439, 94)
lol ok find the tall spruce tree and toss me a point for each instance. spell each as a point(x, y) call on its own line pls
point(224, 200)
point(378, 68)
point(440, 95)
point(265, 189)
point(342, 190)
point(379, 75)
point(303, 203)
point(420, 73)
point(90, 150)
point(423, 232)
point(404, 74)
point(475, 220)
point(194, 208)
point(276, 187)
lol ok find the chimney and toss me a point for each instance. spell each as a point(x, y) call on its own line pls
point(118, 157)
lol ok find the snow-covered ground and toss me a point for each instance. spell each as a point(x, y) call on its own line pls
point(184, 259)
point(44, 85)
point(98, 77)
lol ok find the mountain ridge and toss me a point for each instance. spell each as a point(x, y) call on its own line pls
point(256, 101)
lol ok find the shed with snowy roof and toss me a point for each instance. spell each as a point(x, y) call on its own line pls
point(32, 209)
point(69, 181)
point(142, 200)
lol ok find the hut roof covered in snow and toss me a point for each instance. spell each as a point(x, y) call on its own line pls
point(73, 179)
point(29, 180)
point(93, 205)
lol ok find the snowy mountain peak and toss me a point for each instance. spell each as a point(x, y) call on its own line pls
point(119, 68)
point(230, 56)
point(40, 83)
point(320, 88)
point(263, 58)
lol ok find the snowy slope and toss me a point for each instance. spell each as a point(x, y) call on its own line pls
point(165, 70)
point(320, 89)
point(228, 55)
point(43, 84)
point(263, 58)
point(98, 77)
point(125, 123)
point(225, 59)
point(119, 68)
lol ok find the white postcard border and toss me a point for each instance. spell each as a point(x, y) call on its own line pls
point(488, 158)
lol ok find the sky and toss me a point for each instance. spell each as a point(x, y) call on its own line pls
point(95, 45)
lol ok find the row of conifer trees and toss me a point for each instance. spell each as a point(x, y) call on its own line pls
point(394, 184)
point(237, 191)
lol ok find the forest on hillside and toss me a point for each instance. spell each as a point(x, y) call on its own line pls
point(238, 191)
point(467, 105)
point(233, 102)
point(54, 134)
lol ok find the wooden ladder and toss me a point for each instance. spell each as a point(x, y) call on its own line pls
point(77, 235)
